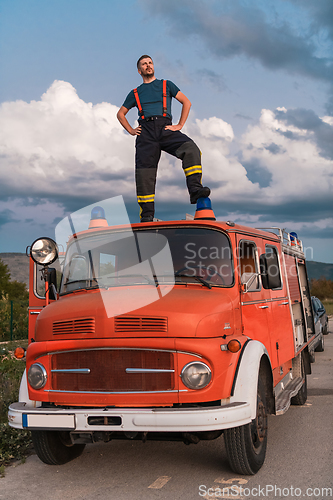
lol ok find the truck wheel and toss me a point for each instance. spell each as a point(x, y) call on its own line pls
point(246, 445)
point(321, 346)
point(302, 394)
point(54, 447)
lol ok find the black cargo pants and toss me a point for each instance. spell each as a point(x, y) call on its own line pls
point(149, 144)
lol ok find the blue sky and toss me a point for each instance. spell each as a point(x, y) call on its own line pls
point(259, 74)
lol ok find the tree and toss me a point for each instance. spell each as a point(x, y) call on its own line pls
point(322, 288)
point(13, 289)
point(13, 306)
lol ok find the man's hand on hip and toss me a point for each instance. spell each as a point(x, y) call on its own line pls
point(173, 127)
point(136, 131)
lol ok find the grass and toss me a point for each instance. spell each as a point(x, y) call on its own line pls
point(14, 443)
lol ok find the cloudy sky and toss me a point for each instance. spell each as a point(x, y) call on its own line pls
point(259, 74)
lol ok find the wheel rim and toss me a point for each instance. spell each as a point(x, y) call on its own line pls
point(259, 427)
point(65, 439)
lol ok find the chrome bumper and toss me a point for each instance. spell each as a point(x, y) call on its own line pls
point(22, 416)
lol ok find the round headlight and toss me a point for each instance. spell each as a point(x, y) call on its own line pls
point(44, 251)
point(196, 375)
point(37, 376)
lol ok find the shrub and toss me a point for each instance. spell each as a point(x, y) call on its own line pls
point(14, 444)
point(322, 288)
point(13, 307)
point(15, 327)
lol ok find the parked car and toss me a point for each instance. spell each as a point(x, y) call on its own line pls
point(321, 323)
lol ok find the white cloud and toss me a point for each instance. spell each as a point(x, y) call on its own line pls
point(328, 119)
point(291, 156)
point(215, 127)
point(61, 143)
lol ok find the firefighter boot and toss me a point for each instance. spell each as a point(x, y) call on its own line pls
point(204, 192)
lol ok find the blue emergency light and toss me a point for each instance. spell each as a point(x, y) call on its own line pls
point(97, 213)
point(204, 204)
point(204, 209)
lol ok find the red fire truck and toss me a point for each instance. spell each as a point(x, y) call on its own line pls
point(180, 330)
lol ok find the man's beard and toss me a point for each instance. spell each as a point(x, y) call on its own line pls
point(147, 73)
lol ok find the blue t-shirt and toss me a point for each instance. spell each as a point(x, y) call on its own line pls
point(151, 98)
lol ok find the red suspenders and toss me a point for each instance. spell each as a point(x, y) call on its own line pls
point(136, 95)
point(164, 98)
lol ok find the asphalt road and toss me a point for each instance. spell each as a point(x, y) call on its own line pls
point(299, 461)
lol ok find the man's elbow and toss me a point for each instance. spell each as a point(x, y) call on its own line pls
point(122, 113)
point(187, 102)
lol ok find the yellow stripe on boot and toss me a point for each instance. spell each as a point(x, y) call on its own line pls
point(146, 199)
point(196, 169)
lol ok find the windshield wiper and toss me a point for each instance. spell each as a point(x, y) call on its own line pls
point(88, 287)
point(83, 281)
point(196, 277)
point(149, 281)
point(79, 281)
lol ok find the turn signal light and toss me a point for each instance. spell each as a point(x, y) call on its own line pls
point(234, 345)
point(19, 353)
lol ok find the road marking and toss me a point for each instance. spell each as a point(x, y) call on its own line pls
point(239, 480)
point(160, 482)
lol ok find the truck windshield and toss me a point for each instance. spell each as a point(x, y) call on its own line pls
point(141, 257)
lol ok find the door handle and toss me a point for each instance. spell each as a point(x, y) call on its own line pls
point(263, 307)
point(284, 304)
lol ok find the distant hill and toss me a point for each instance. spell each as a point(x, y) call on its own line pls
point(18, 265)
point(318, 270)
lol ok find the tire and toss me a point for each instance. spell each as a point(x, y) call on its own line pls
point(312, 356)
point(54, 447)
point(246, 445)
point(325, 329)
point(302, 394)
point(321, 346)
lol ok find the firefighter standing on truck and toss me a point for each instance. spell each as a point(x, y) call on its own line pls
point(156, 133)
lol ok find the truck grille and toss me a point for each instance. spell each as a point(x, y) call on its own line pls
point(80, 326)
point(105, 370)
point(141, 324)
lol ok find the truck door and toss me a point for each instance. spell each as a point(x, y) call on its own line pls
point(279, 313)
point(37, 299)
point(253, 296)
point(36, 296)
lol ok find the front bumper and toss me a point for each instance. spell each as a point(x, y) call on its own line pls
point(22, 416)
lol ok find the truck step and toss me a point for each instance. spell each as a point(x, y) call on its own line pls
point(282, 400)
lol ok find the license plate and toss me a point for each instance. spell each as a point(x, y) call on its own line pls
point(33, 420)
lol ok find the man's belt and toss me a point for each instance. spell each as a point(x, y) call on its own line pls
point(151, 118)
